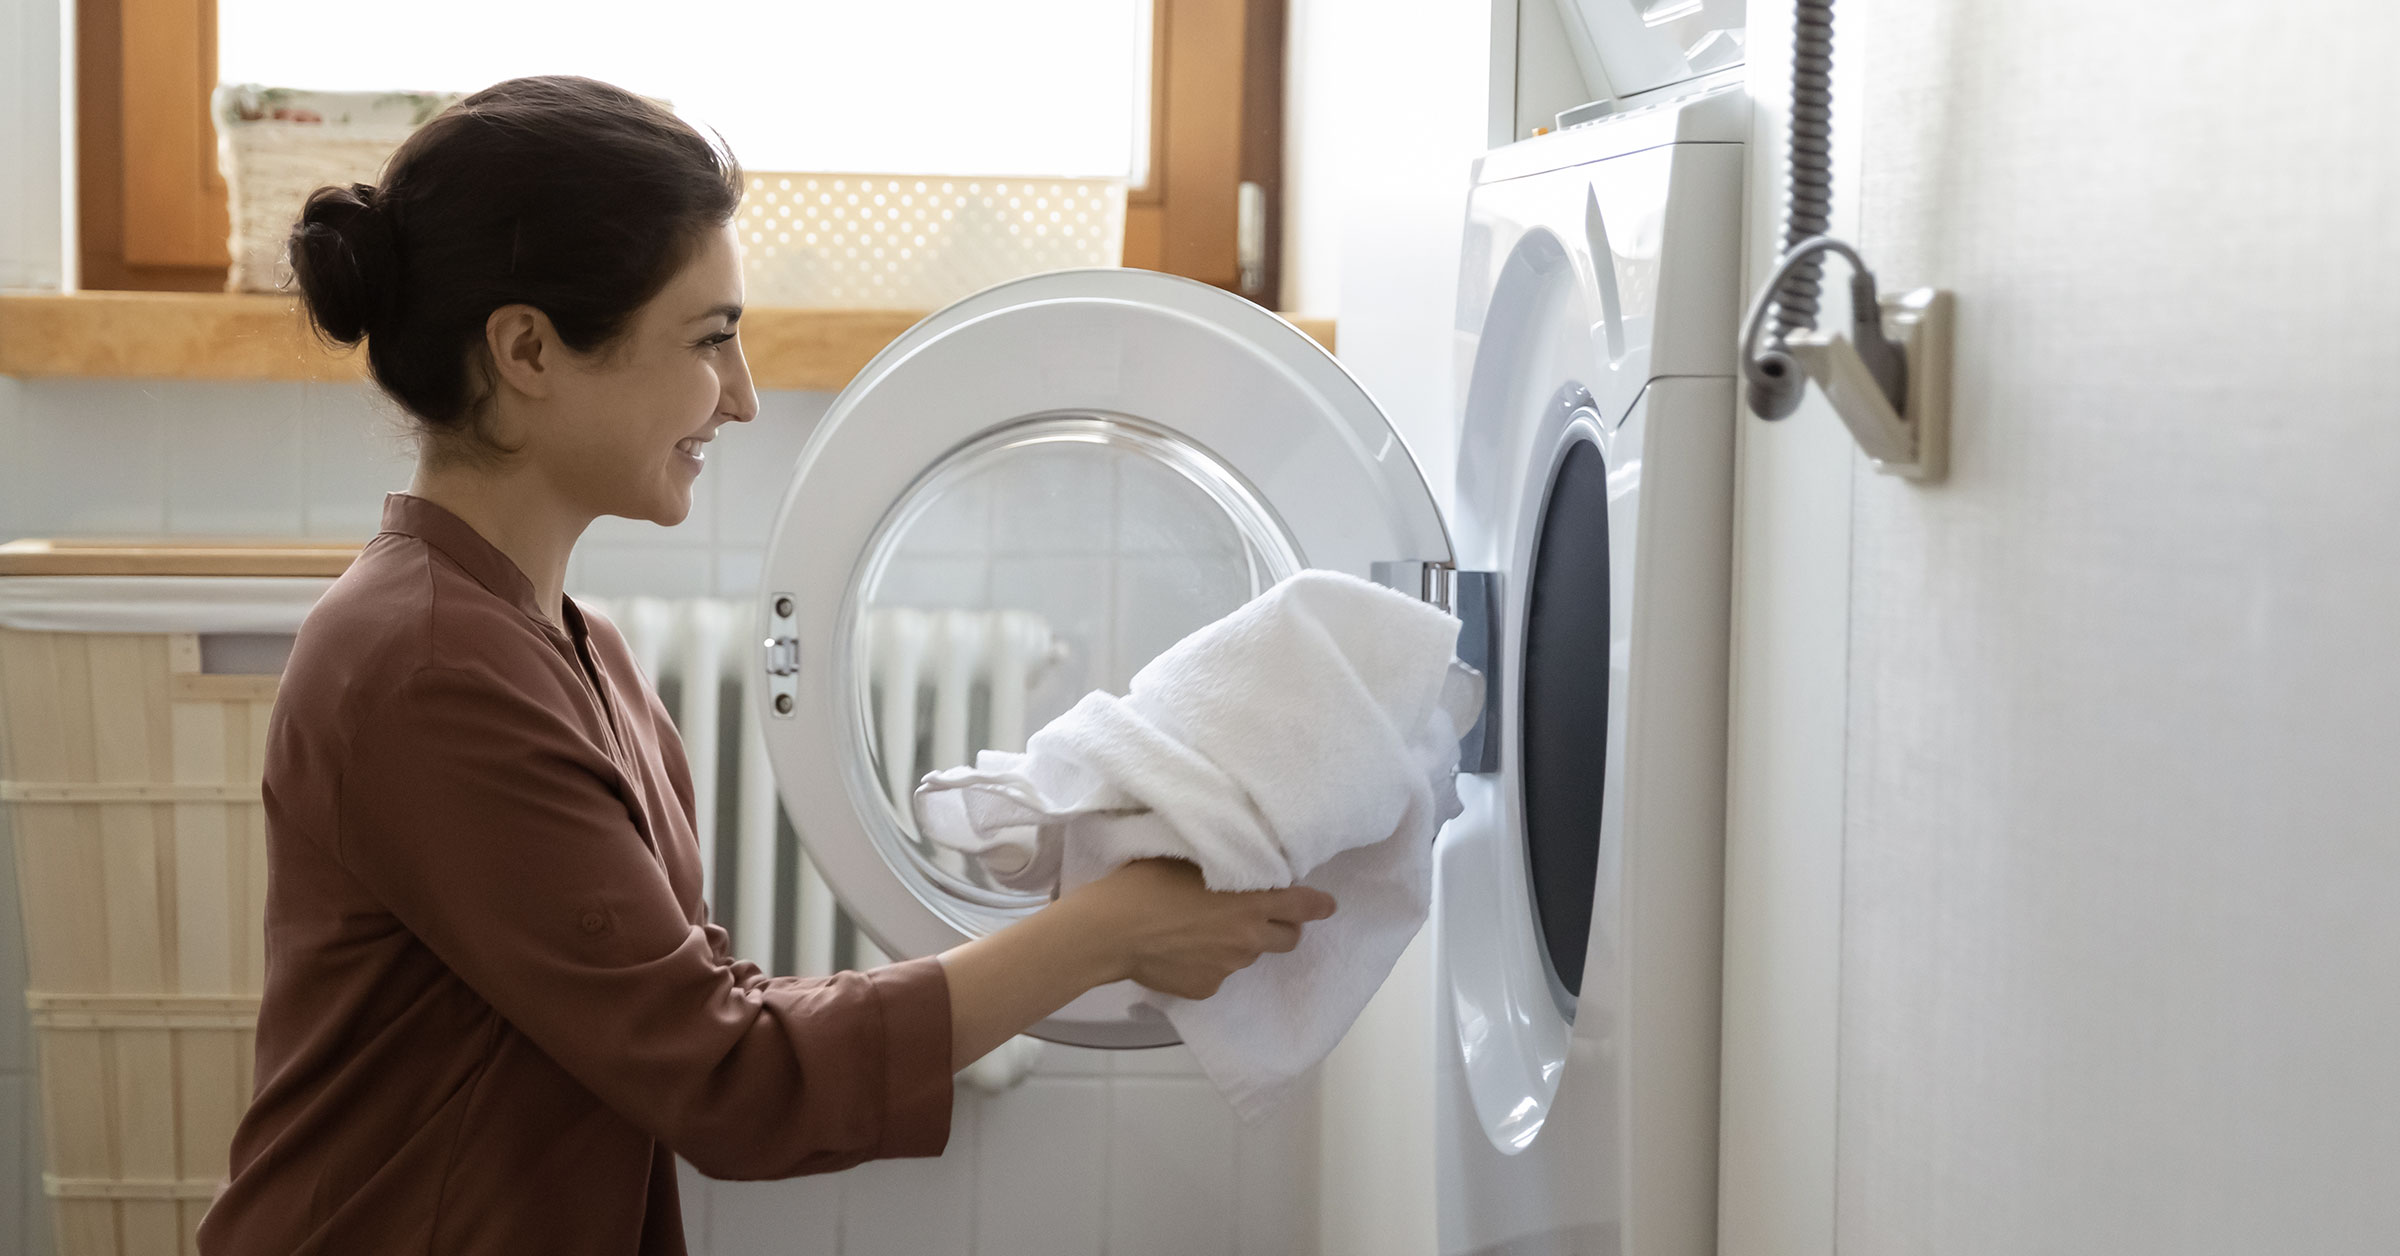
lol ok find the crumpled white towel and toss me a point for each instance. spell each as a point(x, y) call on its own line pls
point(1310, 737)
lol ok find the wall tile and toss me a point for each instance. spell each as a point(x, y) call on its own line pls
point(1160, 512)
point(234, 458)
point(738, 571)
point(1042, 1170)
point(13, 471)
point(94, 457)
point(1159, 601)
point(759, 459)
point(1174, 1061)
point(915, 1207)
point(629, 570)
point(1058, 499)
point(1064, 1061)
point(957, 522)
point(794, 1217)
point(355, 447)
point(1276, 1183)
point(692, 1193)
point(929, 582)
point(1171, 1168)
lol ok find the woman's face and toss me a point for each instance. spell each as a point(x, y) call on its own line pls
point(641, 414)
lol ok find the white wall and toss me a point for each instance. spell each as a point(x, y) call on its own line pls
point(1789, 719)
point(2117, 863)
point(1389, 111)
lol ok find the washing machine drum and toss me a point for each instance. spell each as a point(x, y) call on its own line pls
point(1025, 498)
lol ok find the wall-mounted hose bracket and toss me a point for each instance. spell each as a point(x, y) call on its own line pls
point(1912, 440)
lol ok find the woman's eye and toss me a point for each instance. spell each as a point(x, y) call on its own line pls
point(718, 339)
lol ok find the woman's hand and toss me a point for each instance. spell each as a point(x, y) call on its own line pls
point(1176, 936)
point(1151, 921)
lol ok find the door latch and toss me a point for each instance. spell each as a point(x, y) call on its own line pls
point(782, 656)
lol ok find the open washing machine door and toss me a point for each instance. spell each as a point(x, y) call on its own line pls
point(1024, 498)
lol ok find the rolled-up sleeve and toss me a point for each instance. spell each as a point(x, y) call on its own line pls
point(501, 838)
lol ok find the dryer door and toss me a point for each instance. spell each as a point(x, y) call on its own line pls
point(1023, 499)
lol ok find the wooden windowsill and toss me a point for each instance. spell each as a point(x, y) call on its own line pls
point(180, 335)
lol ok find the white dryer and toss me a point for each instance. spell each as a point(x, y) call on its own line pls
point(1578, 899)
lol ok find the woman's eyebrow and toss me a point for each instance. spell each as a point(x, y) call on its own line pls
point(729, 312)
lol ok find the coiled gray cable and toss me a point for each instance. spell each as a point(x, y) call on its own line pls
point(1776, 381)
point(1809, 211)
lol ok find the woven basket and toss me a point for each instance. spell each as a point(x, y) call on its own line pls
point(918, 242)
point(276, 146)
point(130, 775)
point(811, 239)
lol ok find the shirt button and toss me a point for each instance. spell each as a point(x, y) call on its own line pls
point(594, 922)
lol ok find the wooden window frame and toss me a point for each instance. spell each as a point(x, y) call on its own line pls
point(152, 212)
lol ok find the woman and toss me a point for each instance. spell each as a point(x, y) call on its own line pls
point(495, 1010)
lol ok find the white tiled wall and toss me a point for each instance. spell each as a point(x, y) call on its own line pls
point(1128, 1153)
point(1092, 1156)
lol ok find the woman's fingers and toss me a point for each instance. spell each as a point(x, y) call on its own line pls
point(1296, 905)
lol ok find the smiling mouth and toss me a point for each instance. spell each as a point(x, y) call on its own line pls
point(690, 446)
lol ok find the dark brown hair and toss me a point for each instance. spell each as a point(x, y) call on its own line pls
point(566, 194)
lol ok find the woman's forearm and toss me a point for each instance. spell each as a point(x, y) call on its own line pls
point(1004, 983)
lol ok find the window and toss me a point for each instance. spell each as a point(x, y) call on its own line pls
point(1182, 97)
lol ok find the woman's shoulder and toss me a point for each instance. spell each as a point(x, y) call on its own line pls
point(399, 612)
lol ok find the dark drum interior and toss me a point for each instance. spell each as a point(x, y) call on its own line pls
point(1565, 725)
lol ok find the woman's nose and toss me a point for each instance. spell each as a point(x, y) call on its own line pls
point(740, 403)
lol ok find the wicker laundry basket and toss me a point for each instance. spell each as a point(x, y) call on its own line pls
point(135, 685)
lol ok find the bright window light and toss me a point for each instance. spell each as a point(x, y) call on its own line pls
point(1054, 87)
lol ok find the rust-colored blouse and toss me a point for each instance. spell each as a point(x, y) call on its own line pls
point(495, 1009)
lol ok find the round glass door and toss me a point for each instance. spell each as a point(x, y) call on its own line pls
point(1025, 498)
point(1040, 562)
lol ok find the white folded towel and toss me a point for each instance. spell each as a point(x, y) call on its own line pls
point(1310, 737)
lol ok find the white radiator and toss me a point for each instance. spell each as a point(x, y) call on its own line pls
point(692, 649)
point(946, 684)
point(929, 669)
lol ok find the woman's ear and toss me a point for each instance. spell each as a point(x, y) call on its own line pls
point(526, 353)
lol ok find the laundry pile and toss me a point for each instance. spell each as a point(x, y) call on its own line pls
point(1310, 737)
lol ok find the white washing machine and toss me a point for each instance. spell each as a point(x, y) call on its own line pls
point(1578, 899)
point(1029, 494)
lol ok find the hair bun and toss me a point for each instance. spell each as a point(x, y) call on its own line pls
point(346, 261)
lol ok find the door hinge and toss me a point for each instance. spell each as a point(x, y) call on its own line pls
point(1473, 596)
point(1427, 582)
point(1477, 594)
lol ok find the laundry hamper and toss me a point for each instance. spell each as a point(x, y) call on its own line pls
point(135, 684)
